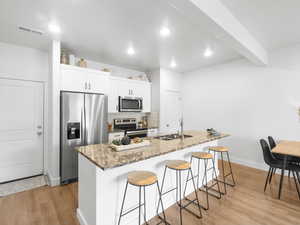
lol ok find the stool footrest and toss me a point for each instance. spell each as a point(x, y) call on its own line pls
point(162, 220)
point(186, 205)
point(192, 177)
point(193, 201)
point(211, 194)
point(130, 210)
point(168, 191)
point(224, 182)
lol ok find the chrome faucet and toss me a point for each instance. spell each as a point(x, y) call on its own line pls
point(181, 128)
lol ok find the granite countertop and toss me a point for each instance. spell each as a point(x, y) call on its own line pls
point(105, 157)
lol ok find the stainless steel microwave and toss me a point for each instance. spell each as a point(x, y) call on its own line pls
point(130, 104)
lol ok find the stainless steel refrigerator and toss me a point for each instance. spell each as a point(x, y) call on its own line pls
point(83, 121)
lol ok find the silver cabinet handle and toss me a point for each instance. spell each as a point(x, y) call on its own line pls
point(129, 91)
point(39, 127)
point(85, 85)
point(39, 133)
point(117, 107)
point(89, 86)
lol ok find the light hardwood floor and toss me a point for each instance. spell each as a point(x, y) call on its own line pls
point(246, 204)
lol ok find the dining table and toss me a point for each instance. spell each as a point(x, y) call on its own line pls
point(286, 148)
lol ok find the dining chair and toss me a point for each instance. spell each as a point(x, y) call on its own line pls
point(274, 163)
point(291, 159)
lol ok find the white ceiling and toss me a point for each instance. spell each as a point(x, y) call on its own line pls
point(275, 23)
point(101, 30)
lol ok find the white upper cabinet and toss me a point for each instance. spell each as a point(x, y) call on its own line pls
point(87, 80)
point(113, 97)
point(84, 80)
point(128, 88)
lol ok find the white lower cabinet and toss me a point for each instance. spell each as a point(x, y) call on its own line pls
point(84, 80)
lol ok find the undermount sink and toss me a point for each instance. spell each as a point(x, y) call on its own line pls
point(170, 137)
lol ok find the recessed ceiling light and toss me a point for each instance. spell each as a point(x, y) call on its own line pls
point(130, 51)
point(173, 64)
point(208, 52)
point(54, 28)
point(165, 32)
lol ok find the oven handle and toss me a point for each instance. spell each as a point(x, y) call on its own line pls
point(136, 132)
point(120, 104)
point(141, 104)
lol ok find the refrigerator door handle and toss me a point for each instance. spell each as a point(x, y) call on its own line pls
point(82, 126)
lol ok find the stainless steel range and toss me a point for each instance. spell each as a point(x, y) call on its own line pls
point(129, 125)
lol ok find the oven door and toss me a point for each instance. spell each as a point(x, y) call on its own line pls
point(127, 104)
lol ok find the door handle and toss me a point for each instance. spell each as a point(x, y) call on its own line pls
point(39, 127)
point(39, 133)
point(89, 86)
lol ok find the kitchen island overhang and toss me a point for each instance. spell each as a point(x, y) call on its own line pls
point(103, 173)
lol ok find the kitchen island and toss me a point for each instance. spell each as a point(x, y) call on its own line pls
point(103, 173)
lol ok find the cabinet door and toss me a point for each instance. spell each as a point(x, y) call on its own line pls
point(113, 95)
point(125, 88)
point(72, 80)
point(146, 95)
point(143, 90)
point(97, 83)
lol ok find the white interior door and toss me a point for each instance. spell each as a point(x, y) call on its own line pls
point(21, 129)
point(171, 112)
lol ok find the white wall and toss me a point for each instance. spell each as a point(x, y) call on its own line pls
point(54, 114)
point(170, 80)
point(18, 62)
point(246, 101)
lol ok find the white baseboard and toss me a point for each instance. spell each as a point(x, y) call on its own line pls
point(54, 181)
point(80, 217)
point(255, 165)
point(260, 166)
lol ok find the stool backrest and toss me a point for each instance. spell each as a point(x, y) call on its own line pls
point(272, 143)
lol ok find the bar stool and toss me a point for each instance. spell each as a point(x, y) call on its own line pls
point(222, 149)
point(179, 166)
point(206, 157)
point(142, 179)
